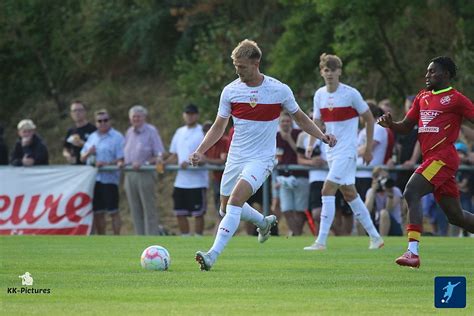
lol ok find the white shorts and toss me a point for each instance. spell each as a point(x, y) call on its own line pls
point(254, 172)
point(342, 171)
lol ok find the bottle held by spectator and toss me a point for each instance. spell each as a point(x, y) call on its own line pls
point(160, 168)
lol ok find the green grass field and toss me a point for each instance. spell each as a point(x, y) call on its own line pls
point(102, 276)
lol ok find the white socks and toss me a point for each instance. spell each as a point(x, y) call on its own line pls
point(327, 217)
point(249, 214)
point(227, 228)
point(362, 214)
point(413, 247)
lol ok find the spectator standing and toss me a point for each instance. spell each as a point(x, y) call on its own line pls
point(3, 149)
point(294, 186)
point(105, 147)
point(77, 135)
point(143, 146)
point(29, 149)
point(384, 201)
point(190, 187)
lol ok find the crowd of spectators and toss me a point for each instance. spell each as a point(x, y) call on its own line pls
point(296, 194)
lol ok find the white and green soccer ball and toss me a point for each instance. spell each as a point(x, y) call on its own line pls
point(155, 258)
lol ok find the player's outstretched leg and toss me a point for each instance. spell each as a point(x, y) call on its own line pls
point(362, 214)
point(226, 230)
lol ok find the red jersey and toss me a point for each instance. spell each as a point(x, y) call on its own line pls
point(439, 116)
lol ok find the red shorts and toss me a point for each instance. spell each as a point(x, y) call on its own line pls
point(441, 176)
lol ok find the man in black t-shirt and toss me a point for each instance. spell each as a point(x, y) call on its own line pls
point(77, 136)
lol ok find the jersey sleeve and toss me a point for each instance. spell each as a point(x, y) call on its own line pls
point(358, 102)
point(224, 104)
point(316, 106)
point(289, 102)
point(466, 107)
point(414, 112)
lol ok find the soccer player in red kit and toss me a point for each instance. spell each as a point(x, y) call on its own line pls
point(438, 110)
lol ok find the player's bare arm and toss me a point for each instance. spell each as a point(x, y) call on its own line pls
point(369, 129)
point(312, 129)
point(309, 148)
point(212, 136)
point(403, 127)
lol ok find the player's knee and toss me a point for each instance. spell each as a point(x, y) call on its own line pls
point(411, 194)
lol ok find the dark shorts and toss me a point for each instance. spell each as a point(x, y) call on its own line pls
point(190, 202)
point(106, 198)
point(315, 199)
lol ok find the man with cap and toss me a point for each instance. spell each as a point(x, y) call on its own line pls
point(189, 194)
point(29, 149)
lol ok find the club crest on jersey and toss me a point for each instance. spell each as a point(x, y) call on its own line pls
point(253, 101)
point(445, 100)
point(426, 117)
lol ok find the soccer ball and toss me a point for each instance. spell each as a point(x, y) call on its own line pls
point(155, 258)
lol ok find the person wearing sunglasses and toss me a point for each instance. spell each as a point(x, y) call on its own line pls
point(105, 147)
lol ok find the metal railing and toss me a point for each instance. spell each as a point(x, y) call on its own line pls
point(266, 184)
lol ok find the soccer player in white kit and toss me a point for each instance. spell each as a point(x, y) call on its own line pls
point(254, 101)
point(338, 106)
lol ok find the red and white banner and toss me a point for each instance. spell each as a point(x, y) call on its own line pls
point(52, 200)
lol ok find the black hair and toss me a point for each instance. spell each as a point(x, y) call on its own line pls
point(447, 64)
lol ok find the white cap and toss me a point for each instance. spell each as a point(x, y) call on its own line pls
point(26, 124)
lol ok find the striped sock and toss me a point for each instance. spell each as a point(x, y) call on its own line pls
point(414, 234)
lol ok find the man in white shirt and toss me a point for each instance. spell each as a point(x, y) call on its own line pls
point(254, 101)
point(337, 107)
point(190, 187)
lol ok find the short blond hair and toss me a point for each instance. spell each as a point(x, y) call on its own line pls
point(331, 61)
point(247, 49)
point(26, 125)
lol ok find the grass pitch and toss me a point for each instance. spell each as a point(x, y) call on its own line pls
point(102, 276)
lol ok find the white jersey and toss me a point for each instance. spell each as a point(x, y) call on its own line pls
point(184, 142)
point(255, 112)
point(378, 150)
point(340, 112)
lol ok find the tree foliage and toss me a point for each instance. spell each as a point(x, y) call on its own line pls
point(51, 48)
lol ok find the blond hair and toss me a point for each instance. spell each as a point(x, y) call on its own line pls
point(26, 125)
point(247, 49)
point(331, 61)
